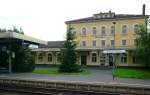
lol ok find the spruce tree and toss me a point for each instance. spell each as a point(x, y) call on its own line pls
point(69, 57)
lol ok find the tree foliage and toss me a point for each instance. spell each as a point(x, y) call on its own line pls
point(23, 60)
point(143, 45)
point(16, 30)
point(69, 57)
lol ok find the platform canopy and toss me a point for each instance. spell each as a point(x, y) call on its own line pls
point(114, 51)
point(12, 36)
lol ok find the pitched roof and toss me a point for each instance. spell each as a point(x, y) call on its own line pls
point(53, 44)
point(116, 17)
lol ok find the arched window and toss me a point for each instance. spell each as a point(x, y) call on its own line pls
point(124, 29)
point(112, 30)
point(49, 58)
point(73, 30)
point(40, 58)
point(58, 57)
point(94, 58)
point(84, 31)
point(94, 31)
point(136, 28)
point(103, 30)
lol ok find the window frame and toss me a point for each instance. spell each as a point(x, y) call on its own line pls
point(40, 58)
point(83, 44)
point(112, 33)
point(94, 31)
point(94, 57)
point(74, 31)
point(122, 29)
point(49, 61)
point(124, 58)
point(111, 43)
point(83, 33)
point(103, 32)
point(59, 57)
point(102, 43)
point(125, 42)
point(138, 28)
point(94, 43)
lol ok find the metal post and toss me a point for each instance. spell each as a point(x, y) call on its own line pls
point(113, 66)
point(9, 64)
point(114, 57)
point(9, 53)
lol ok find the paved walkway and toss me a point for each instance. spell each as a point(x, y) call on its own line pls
point(99, 75)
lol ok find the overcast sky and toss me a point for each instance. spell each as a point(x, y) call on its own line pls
point(44, 19)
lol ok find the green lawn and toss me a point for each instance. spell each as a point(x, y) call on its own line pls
point(55, 71)
point(132, 73)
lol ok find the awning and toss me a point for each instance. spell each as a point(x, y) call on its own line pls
point(13, 35)
point(114, 51)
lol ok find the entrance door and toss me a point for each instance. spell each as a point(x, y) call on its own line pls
point(110, 59)
point(83, 59)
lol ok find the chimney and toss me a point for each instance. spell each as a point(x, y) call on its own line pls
point(143, 10)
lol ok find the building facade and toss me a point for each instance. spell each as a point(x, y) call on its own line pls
point(50, 53)
point(100, 40)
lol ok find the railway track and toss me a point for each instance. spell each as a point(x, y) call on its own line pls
point(44, 91)
point(40, 87)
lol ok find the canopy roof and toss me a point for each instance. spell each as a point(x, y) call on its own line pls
point(114, 51)
point(5, 36)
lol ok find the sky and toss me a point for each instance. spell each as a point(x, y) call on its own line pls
point(45, 19)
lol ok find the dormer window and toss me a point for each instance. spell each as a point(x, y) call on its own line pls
point(104, 15)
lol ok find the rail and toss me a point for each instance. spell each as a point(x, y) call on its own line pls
point(47, 86)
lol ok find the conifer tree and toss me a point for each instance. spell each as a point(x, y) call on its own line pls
point(69, 57)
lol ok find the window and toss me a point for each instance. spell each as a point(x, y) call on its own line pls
point(103, 30)
point(73, 30)
point(83, 43)
point(94, 58)
point(94, 31)
point(124, 58)
point(84, 31)
point(112, 30)
point(124, 29)
point(58, 58)
point(49, 57)
point(103, 43)
point(136, 28)
point(124, 42)
point(40, 58)
point(94, 43)
point(112, 43)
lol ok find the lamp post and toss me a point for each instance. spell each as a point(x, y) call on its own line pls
point(114, 55)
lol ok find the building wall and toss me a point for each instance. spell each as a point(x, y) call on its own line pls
point(130, 36)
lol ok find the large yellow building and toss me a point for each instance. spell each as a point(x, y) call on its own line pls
point(99, 38)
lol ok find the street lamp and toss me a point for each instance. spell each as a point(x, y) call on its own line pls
point(114, 55)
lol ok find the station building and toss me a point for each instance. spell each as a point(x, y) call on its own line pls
point(100, 39)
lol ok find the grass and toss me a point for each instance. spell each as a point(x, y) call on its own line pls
point(55, 71)
point(132, 73)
